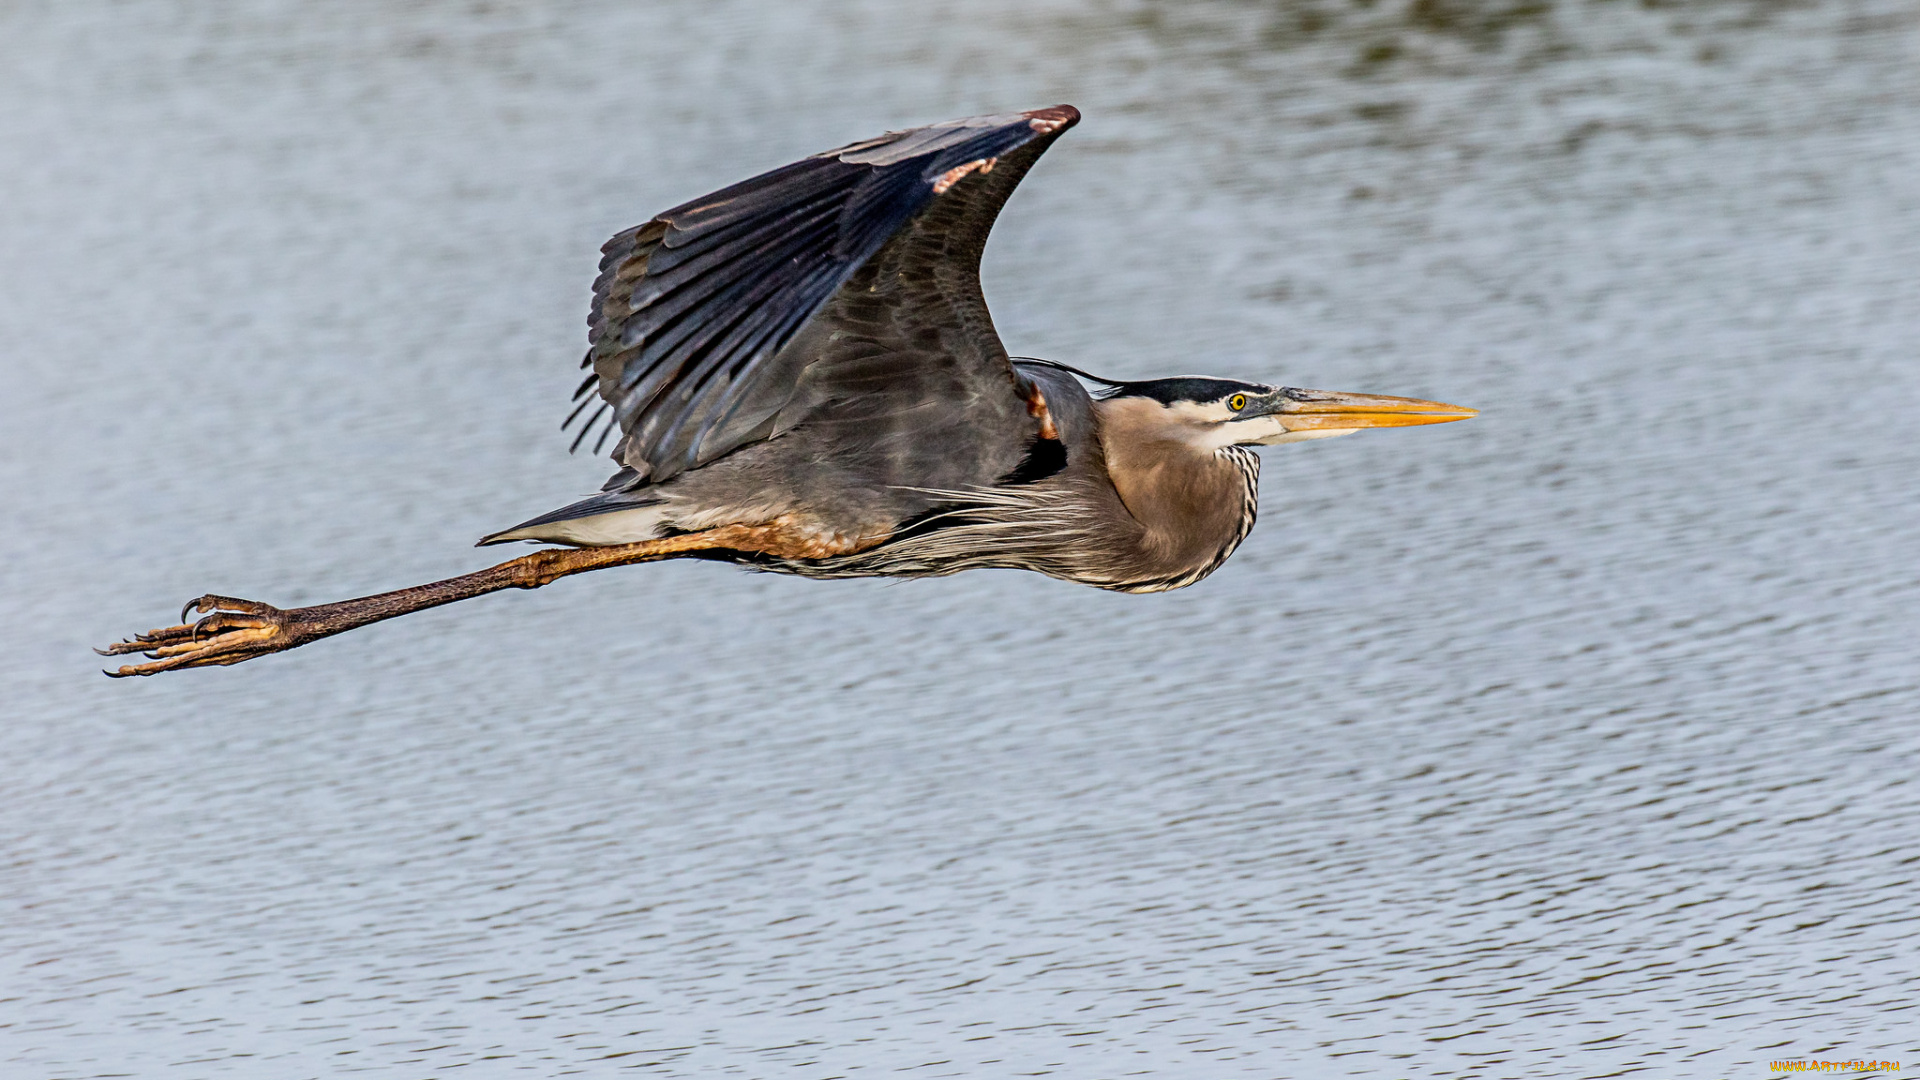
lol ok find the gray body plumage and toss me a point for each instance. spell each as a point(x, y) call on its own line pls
point(1073, 523)
point(809, 351)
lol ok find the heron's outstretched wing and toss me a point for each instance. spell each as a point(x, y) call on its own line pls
point(696, 313)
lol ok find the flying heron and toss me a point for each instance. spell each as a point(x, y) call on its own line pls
point(805, 379)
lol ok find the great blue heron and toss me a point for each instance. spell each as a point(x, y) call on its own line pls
point(806, 380)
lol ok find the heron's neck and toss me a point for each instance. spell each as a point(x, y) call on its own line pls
point(1194, 502)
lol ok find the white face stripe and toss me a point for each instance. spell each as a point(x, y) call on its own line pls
point(1212, 426)
point(1203, 426)
point(1189, 412)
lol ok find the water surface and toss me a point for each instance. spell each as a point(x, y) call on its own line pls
point(1577, 740)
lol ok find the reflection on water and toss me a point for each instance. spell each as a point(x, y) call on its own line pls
point(1371, 39)
point(1576, 740)
point(1377, 34)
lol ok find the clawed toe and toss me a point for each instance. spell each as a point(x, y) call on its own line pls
point(232, 631)
point(213, 603)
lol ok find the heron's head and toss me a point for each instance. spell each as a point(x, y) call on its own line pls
point(1224, 412)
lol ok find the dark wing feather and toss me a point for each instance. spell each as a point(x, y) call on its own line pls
point(697, 313)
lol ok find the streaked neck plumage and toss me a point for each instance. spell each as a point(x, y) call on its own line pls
point(1194, 499)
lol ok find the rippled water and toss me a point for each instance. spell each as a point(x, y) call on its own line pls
point(1577, 740)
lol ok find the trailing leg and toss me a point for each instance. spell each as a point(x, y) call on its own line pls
point(232, 630)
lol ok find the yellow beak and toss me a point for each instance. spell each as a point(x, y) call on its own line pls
point(1322, 410)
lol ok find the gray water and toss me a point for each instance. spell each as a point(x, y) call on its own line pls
point(1576, 740)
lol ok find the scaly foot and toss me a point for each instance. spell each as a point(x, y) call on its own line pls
point(236, 630)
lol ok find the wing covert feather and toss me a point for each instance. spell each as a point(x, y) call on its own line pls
point(695, 337)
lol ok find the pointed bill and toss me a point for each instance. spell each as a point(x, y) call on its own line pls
point(1322, 410)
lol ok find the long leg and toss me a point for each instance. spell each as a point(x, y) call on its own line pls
point(236, 630)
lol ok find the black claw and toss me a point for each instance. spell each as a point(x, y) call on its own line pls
point(191, 604)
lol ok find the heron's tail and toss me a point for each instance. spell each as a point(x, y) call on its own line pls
point(611, 517)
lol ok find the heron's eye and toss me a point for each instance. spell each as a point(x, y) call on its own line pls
point(1237, 402)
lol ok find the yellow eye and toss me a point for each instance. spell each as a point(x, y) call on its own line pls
point(1237, 402)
